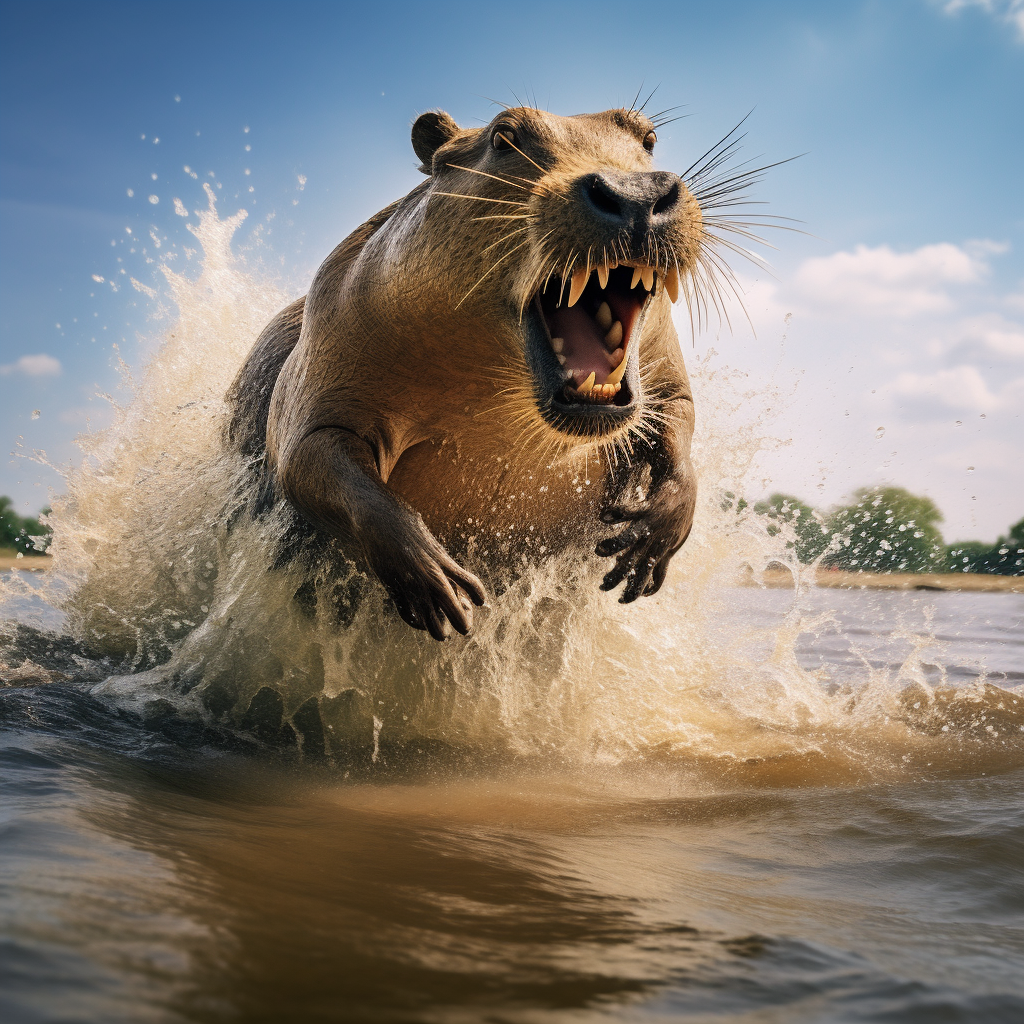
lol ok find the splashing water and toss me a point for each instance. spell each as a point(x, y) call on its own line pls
point(194, 618)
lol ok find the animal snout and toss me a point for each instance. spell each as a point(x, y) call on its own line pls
point(634, 201)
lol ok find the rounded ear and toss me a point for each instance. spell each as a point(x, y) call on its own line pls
point(430, 132)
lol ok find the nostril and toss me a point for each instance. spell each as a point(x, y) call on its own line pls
point(603, 198)
point(668, 200)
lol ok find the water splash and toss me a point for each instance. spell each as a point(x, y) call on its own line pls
point(199, 621)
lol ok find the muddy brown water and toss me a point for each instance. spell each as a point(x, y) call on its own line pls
point(173, 873)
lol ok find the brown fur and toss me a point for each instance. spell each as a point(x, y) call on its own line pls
point(395, 403)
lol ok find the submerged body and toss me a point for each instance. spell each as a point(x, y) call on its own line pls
point(487, 370)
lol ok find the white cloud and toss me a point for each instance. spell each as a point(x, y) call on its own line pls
point(881, 281)
point(1007, 343)
point(39, 365)
point(959, 389)
point(1010, 12)
point(987, 338)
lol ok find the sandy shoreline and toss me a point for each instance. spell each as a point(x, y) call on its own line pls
point(31, 563)
point(780, 579)
point(774, 579)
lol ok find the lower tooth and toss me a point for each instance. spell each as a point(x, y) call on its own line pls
point(614, 358)
point(614, 336)
point(560, 358)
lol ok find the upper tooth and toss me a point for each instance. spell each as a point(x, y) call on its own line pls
point(637, 274)
point(557, 344)
point(604, 316)
point(579, 282)
point(648, 275)
point(672, 284)
point(614, 336)
point(614, 358)
point(561, 359)
point(602, 275)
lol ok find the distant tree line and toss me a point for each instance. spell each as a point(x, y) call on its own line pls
point(887, 529)
point(22, 533)
point(883, 529)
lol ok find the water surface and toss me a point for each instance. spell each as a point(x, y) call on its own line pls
point(174, 872)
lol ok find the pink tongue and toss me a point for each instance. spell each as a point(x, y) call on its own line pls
point(583, 343)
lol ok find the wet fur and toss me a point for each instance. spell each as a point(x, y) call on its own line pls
point(392, 407)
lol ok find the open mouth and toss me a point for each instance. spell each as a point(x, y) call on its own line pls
point(593, 329)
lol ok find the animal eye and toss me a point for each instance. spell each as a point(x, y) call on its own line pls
point(503, 137)
point(649, 140)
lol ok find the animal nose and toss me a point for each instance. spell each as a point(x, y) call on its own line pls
point(634, 200)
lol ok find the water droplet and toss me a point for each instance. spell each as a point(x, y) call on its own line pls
point(154, 200)
point(36, 413)
point(970, 469)
point(879, 433)
point(959, 423)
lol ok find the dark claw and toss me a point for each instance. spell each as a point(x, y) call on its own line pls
point(657, 578)
point(436, 623)
point(615, 576)
point(617, 514)
point(613, 545)
point(638, 580)
point(411, 616)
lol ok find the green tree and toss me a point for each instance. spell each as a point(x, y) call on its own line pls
point(812, 534)
point(1016, 534)
point(888, 529)
point(1005, 557)
point(17, 531)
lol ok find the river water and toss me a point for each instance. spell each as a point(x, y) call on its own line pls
point(218, 803)
point(163, 873)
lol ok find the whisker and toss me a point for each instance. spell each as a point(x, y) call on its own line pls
point(505, 238)
point(714, 148)
point(649, 98)
point(495, 177)
point(506, 216)
point(632, 105)
point(501, 259)
point(738, 181)
point(480, 199)
point(543, 170)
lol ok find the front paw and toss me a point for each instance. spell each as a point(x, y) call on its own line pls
point(654, 530)
point(430, 589)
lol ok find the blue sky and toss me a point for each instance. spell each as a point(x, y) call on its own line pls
point(905, 301)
